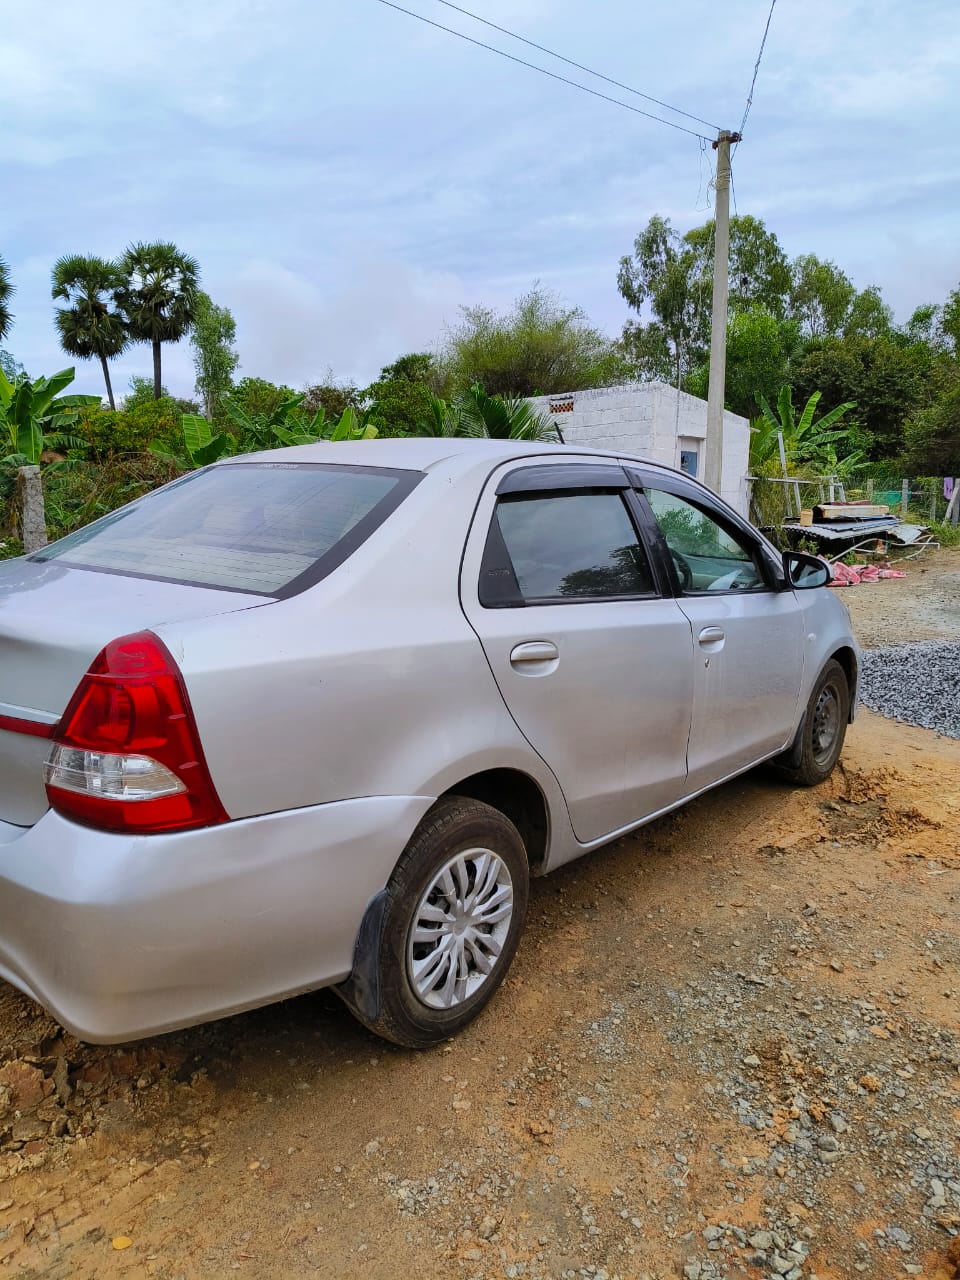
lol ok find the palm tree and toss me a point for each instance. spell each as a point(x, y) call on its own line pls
point(473, 413)
point(6, 293)
point(503, 417)
point(90, 326)
point(157, 296)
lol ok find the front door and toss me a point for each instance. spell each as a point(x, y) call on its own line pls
point(593, 661)
point(747, 635)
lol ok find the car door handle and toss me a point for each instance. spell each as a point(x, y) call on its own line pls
point(711, 637)
point(534, 651)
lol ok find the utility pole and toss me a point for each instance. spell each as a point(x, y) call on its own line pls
point(713, 461)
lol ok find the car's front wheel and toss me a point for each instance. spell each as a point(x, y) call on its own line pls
point(454, 911)
point(824, 729)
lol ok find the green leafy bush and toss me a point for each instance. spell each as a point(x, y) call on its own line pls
point(256, 396)
point(131, 431)
point(77, 494)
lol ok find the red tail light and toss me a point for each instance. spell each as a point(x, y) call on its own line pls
point(126, 754)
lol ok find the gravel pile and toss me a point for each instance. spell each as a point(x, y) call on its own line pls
point(917, 683)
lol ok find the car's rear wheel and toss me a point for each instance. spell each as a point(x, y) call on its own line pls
point(455, 909)
point(824, 729)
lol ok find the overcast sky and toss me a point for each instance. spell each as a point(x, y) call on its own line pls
point(347, 177)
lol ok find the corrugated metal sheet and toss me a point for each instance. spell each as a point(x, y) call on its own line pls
point(846, 530)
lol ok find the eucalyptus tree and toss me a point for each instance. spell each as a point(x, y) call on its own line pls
point(90, 326)
point(215, 358)
point(158, 296)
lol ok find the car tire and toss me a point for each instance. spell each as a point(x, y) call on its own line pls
point(444, 948)
point(823, 731)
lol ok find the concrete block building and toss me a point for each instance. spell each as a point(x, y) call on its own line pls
point(658, 422)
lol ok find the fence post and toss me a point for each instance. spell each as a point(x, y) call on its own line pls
point(904, 498)
point(870, 489)
point(933, 500)
point(33, 525)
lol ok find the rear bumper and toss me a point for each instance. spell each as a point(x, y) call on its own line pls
point(126, 936)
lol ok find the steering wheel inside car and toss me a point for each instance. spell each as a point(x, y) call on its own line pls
point(684, 572)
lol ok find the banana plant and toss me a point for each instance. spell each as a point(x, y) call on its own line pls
point(202, 446)
point(287, 425)
point(34, 417)
point(804, 439)
point(349, 426)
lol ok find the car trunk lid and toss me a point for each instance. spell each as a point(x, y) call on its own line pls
point(54, 620)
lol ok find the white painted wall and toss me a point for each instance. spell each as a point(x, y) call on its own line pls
point(655, 421)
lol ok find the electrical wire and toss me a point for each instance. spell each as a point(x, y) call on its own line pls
point(595, 93)
point(756, 68)
point(579, 65)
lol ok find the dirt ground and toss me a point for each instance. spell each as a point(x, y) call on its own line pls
point(728, 1048)
point(925, 605)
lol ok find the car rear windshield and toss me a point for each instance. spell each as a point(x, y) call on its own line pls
point(267, 528)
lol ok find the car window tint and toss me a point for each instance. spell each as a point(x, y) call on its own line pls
point(573, 545)
point(246, 527)
point(706, 556)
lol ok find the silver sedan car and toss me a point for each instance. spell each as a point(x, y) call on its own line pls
point(314, 718)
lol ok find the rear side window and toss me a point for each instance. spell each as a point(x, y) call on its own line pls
point(267, 528)
point(565, 546)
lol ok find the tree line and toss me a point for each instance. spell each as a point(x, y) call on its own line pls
point(797, 322)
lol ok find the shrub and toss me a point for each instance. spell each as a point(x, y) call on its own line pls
point(78, 493)
point(256, 396)
point(131, 431)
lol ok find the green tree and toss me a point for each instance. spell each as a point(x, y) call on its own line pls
point(949, 322)
point(333, 398)
point(158, 296)
point(400, 398)
point(7, 290)
point(11, 367)
point(820, 296)
point(759, 270)
point(759, 350)
point(888, 380)
point(869, 316)
point(538, 348)
point(256, 396)
point(932, 434)
point(923, 326)
point(141, 394)
point(215, 360)
point(668, 276)
point(90, 326)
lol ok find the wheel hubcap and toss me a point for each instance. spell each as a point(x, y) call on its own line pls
point(459, 928)
point(826, 724)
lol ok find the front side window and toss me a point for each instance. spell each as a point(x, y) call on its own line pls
point(705, 555)
point(571, 546)
point(267, 528)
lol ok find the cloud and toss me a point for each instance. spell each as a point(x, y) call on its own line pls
point(292, 330)
point(347, 177)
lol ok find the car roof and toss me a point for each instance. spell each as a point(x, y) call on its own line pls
point(418, 453)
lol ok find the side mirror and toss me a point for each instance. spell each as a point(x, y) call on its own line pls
point(802, 572)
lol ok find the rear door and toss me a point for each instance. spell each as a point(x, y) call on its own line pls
point(748, 635)
point(593, 661)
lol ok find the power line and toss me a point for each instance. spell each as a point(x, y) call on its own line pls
point(579, 65)
point(756, 68)
point(595, 93)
